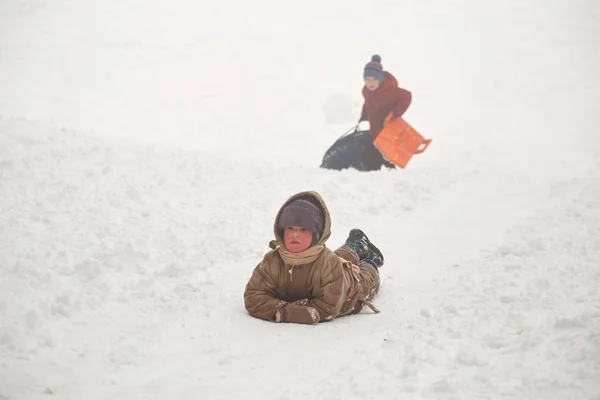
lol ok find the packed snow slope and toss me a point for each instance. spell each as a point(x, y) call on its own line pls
point(146, 146)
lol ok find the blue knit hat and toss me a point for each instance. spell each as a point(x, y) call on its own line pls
point(374, 69)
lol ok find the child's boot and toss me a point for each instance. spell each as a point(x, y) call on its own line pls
point(366, 251)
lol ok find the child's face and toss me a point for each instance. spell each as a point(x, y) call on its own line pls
point(371, 83)
point(297, 239)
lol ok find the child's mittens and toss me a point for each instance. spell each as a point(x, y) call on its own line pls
point(298, 313)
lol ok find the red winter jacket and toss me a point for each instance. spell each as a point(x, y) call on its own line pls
point(381, 102)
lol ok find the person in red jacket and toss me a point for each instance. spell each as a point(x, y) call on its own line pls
point(382, 98)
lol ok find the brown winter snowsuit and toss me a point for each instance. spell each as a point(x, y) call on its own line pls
point(313, 286)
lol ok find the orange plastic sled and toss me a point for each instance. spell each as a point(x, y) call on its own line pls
point(398, 141)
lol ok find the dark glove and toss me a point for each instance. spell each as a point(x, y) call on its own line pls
point(298, 313)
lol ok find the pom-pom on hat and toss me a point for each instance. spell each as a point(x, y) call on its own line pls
point(374, 69)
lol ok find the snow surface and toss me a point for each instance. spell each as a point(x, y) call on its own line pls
point(146, 146)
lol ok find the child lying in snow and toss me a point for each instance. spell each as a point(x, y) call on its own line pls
point(303, 281)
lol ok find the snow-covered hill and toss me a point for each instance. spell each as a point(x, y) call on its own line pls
point(146, 147)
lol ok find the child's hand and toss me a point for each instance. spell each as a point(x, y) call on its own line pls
point(298, 312)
